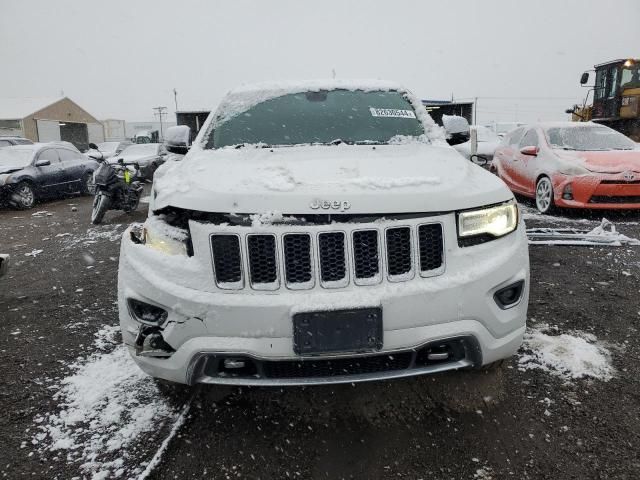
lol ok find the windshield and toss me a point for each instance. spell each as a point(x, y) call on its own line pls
point(107, 146)
point(141, 149)
point(325, 117)
point(588, 138)
point(15, 157)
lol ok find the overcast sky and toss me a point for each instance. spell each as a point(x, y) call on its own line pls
point(120, 58)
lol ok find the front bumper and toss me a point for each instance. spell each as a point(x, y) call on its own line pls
point(604, 191)
point(205, 325)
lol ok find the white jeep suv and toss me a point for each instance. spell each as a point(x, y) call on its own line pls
point(322, 232)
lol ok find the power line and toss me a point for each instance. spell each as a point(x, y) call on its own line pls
point(160, 111)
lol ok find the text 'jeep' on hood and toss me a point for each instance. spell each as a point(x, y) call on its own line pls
point(322, 232)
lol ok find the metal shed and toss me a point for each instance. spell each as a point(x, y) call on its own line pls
point(47, 120)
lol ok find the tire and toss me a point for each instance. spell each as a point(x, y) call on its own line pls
point(101, 204)
point(88, 185)
point(24, 197)
point(544, 195)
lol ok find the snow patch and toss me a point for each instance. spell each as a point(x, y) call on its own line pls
point(106, 404)
point(566, 356)
point(387, 183)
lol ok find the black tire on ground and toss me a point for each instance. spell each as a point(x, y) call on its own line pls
point(101, 204)
point(544, 195)
point(24, 196)
point(88, 186)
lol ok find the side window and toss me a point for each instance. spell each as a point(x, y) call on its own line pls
point(530, 139)
point(515, 137)
point(68, 155)
point(613, 82)
point(601, 81)
point(49, 154)
point(4, 143)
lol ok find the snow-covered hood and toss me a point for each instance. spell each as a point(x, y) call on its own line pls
point(4, 169)
point(415, 177)
point(611, 161)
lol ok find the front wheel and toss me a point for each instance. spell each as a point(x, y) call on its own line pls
point(24, 196)
point(88, 185)
point(544, 195)
point(100, 206)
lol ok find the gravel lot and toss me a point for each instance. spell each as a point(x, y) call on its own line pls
point(516, 423)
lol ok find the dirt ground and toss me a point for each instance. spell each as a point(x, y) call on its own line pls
point(509, 424)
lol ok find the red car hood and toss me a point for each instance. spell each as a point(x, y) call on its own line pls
point(610, 161)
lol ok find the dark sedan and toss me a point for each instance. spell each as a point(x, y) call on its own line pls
point(32, 172)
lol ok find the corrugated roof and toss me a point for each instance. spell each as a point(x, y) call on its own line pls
point(13, 108)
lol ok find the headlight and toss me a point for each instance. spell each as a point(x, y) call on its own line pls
point(4, 179)
point(495, 221)
point(160, 236)
point(573, 170)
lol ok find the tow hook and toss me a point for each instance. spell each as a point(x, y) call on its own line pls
point(149, 343)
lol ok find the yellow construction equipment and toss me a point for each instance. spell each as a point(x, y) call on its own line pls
point(616, 97)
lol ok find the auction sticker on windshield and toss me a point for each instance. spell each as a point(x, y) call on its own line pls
point(391, 112)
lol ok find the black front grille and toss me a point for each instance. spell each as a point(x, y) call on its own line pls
point(620, 182)
point(365, 253)
point(336, 367)
point(297, 258)
point(227, 260)
point(431, 249)
point(398, 250)
point(332, 256)
point(262, 259)
point(621, 199)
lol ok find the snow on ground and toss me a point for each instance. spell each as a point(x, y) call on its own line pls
point(93, 235)
point(106, 404)
point(566, 356)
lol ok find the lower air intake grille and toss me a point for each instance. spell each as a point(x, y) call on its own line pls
point(337, 367)
point(226, 258)
point(332, 257)
point(621, 199)
point(398, 251)
point(297, 258)
point(262, 259)
point(430, 238)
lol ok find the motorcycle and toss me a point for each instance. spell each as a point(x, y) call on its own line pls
point(116, 187)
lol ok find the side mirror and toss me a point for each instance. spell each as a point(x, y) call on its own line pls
point(93, 146)
point(456, 128)
point(570, 111)
point(95, 155)
point(178, 139)
point(4, 264)
point(530, 151)
point(43, 163)
point(584, 78)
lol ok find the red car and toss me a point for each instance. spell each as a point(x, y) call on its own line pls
point(571, 165)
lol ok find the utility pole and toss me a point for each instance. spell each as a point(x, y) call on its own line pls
point(175, 98)
point(160, 111)
point(475, 111)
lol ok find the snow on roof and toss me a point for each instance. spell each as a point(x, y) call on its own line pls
point(14, 108)
point(566, 124)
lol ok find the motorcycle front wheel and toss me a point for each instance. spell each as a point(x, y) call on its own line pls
point(101, 204)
